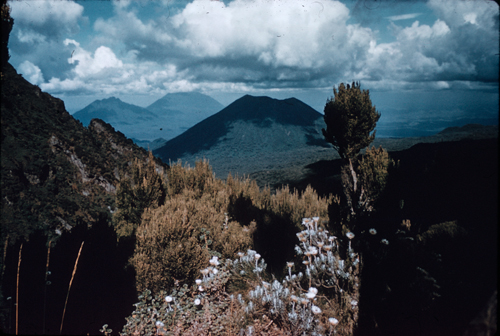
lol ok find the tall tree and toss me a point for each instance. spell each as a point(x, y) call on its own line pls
point(350, 119)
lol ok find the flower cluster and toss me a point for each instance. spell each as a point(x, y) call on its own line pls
point(320, 298)
point(296, 303)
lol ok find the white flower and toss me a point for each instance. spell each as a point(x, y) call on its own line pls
point(315, 219)
point(168, 298)
point(294, 298)
point(316, 309)
point(198, 282)
point(331, 238)
point(333, 321)
point(313, 250)
point(214, 261)
point(159, 324)
point(214, 271)
point(200, 289)
point(241, 254)
point(385, 241)
point(257, 256)
point(373, 231)
point(354, 303)
point(312, 293)
point(197, 302)
point(320, 244)
point(289, 264)
point(349, 235)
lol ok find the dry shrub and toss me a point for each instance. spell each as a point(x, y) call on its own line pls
point(174, 240)
point(204, 216)
point(320, 299)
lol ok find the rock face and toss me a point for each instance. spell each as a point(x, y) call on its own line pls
point(55, 173)
point(250, 134)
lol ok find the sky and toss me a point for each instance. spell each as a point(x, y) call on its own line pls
point(427, 64)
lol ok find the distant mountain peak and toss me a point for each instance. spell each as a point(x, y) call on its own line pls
point(250, 122)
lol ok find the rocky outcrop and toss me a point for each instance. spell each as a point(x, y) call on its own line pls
point(53, 169)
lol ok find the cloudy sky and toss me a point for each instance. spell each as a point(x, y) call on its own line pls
point(425, 62)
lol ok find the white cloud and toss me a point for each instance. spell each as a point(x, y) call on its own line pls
point(459, 13)
point(31, 72)
point(246, 45)
point(87, 65)
point(291, 34)
point(61, 16)
point(403, 17)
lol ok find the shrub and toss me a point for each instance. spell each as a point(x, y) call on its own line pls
point(174, 240)
point(319, 297)
point(142, 188)
point(204, 216)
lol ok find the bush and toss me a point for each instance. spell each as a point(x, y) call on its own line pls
point(204, 216)
point(319, 297)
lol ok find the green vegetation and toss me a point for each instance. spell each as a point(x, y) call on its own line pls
point(362, 264)
point(351, 118)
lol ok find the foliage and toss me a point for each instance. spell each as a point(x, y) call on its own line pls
point(55, 173)
point(350, 119)
point(319, 297)
point(143, 188)
point(204, 216)
point(371, 171)
point(175, 239)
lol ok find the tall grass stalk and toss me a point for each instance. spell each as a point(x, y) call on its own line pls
point(45, 288)
point(69, 288)
point(4, 256)
point(17, 288)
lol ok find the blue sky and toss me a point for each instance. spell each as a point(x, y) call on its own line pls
point(428, 63)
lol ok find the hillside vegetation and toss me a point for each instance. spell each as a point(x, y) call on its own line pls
point(98, 235)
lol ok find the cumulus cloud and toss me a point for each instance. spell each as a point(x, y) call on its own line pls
point(254, 45)
point(88, 64)
point(52, 18)
point(31, 72)
point(456, 48)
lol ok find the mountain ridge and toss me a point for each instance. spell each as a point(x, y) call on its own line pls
point(166, 118)
point(249, 128)
point(56, 173)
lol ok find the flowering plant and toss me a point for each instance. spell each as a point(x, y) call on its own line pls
point(320, 299)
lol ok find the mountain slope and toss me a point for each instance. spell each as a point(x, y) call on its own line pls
point(113, 110)
point(246, 131)
point(198, 105)
point(133, 121)
point(182, 110)
point(55, 173)
point(166, 118)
